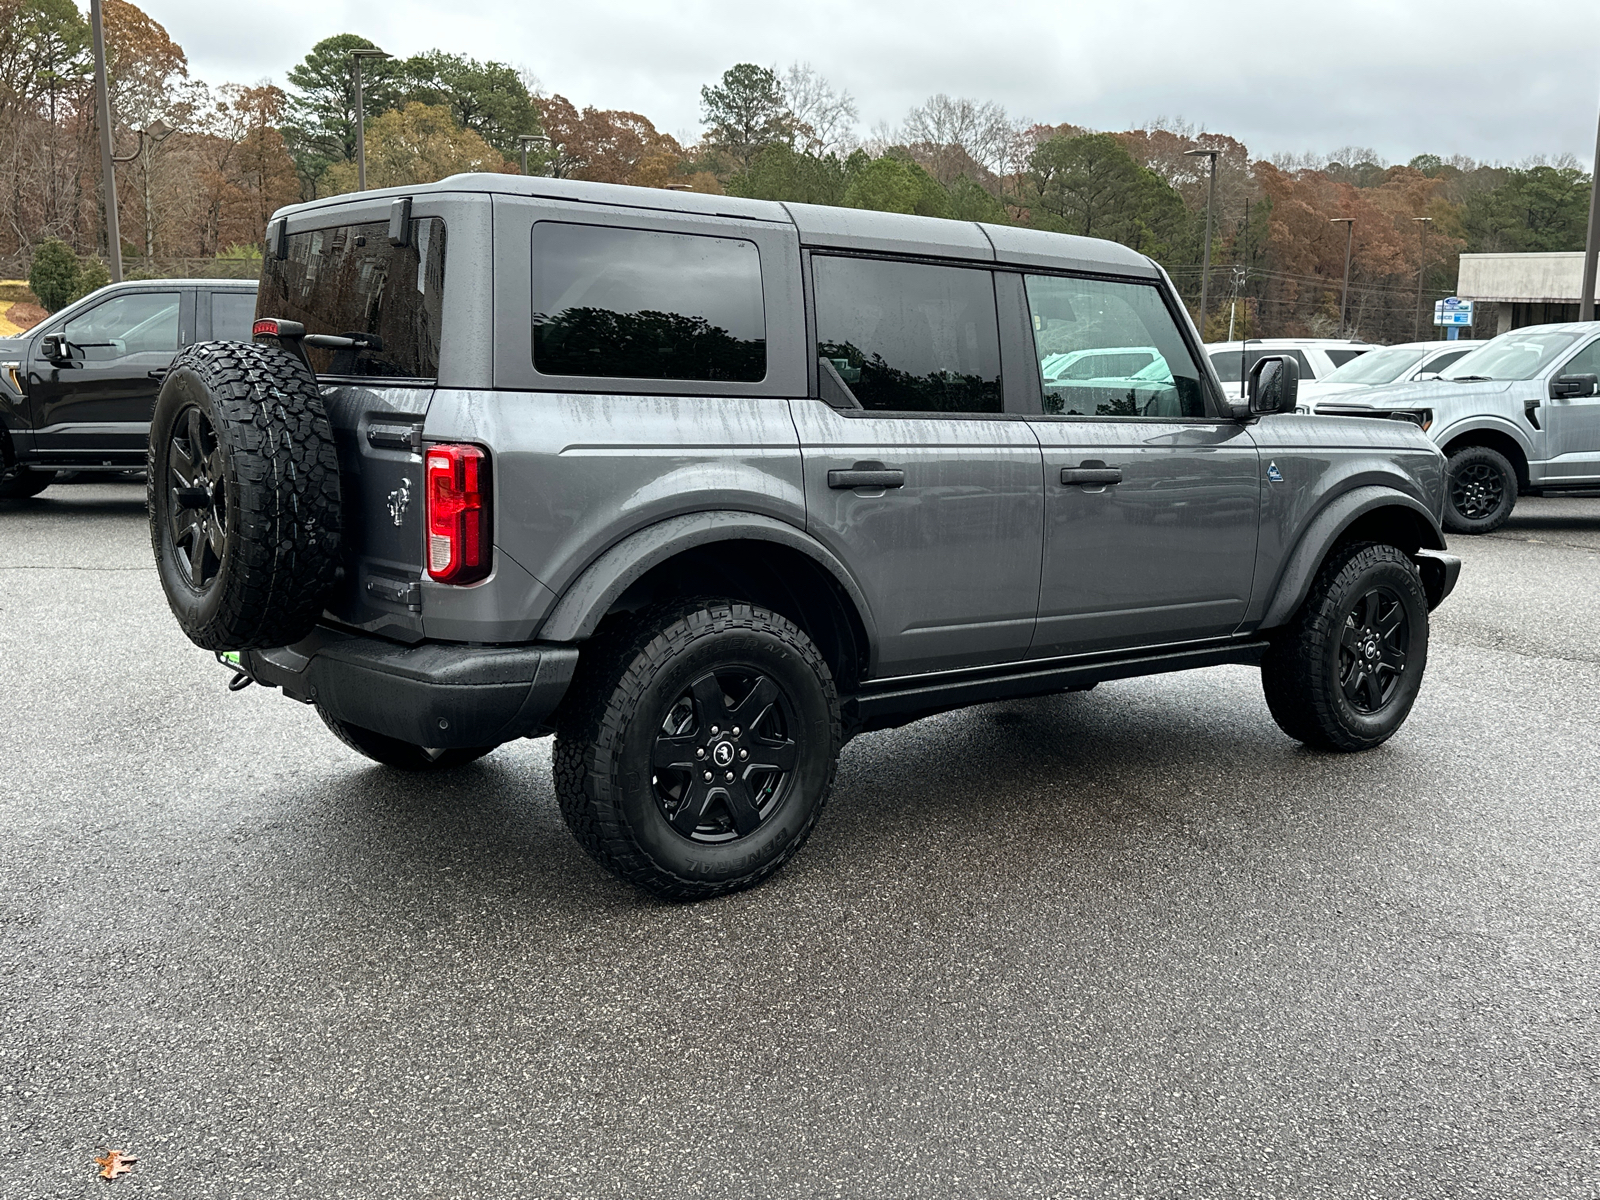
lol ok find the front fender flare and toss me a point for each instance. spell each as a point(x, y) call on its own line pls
point(1324, 530)
point(591, 594)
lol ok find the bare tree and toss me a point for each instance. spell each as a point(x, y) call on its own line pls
point(956, 134)
point(824, 119)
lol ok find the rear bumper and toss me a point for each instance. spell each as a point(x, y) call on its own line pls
point(433, 694)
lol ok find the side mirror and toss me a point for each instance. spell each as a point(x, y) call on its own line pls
point(53, 349)
point(1570, 387)
point(1274, 385)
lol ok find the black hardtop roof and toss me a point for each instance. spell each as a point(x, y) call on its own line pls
point(818, 225)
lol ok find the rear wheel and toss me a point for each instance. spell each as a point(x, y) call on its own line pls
point(19, 483)
point(697, 753)
point(392, 752)
point(1480, 490)
point(1344, 673)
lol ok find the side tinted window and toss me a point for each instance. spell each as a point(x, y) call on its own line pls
point(349, 279)
point(638, 304)
point(908, 337)
point(1439, 362)
point(1585, 361)
point(1339, 357)
point(133, 323)
point(232, 314)
point(1110, 349)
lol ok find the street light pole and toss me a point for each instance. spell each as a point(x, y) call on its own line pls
point(108, 170)
point(529, 139)
point(361, 117)
point(1591, 245)
point(1422, 245)
point(1205, 268)
point(1344, 296)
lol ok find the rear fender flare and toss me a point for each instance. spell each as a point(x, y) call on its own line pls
point(579, 611)
point(1324, 531)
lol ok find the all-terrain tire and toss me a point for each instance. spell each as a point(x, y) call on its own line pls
point(682, 834)
point(392, 752)
point(243, 488)
point(20, 483)
point(1333, 678)
point(1480, 490)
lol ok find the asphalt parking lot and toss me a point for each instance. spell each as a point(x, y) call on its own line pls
point(1133, 942)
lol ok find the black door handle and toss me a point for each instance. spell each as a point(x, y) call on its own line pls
point(1091, 476)
point(867, 475)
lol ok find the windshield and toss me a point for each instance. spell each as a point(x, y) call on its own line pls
point(1377, 366)
point(1519, 355)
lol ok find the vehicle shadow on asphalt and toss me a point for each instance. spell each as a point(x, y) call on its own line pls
point(51, 506)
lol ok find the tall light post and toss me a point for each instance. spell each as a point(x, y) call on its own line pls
point(108, 175)
point(530, 139)
point(1591, 245)
point(361, 117)
point(1422, 264)
point(1205, 268)
point(1344, 296)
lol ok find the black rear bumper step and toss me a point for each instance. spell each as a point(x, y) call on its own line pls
point(433, 694)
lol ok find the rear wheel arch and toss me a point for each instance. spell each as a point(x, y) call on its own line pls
point(736, 556)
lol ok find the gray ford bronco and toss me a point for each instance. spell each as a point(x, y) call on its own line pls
point(705, 486)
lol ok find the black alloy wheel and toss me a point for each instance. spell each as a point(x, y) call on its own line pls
point(198, 513)
point(723, 762)
point(1477, 490)
point(1372, 650)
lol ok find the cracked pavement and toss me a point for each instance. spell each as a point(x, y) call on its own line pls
point(1126, 943)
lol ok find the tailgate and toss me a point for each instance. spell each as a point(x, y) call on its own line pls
point(378, 432)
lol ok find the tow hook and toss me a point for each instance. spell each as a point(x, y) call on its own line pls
point(234, 660)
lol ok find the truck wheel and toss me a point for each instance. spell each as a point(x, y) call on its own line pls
point(243, 487)
point(698, 752)
point(392, 752)
point(1480, 490)
point(1344, 673)
point(21, 482)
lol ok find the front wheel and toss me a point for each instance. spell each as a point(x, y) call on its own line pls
point(19, 483)
point(698, 752)
point(1344, 673)
point(1480, 490)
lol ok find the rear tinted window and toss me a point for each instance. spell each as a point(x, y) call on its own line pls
point(1227, 362)
point(349, 279)
point(639, 304)
point(232, 314)
point(909, 337)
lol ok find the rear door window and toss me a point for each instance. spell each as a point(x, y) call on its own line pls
point(232, 314)
point(349, 279)
point(908, 337)
point(645, 304)
point(1110, 348)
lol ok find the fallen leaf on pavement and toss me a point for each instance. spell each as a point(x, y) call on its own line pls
point(115, 1163)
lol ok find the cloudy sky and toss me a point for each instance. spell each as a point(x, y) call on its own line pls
point(1494, 81)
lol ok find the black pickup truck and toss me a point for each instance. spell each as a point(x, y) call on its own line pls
point(77, 390)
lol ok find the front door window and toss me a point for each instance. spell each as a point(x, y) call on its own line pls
point(133, 323)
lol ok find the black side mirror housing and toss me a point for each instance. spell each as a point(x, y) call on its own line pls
point(1274, 385)
point(53, 349)
point(1568, 387)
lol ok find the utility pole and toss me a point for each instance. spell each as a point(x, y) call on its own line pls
point(1422, 246)
point(1591, 245)
point(361, 117)
point(108, 170)
point(1205, 269)
point(530, 139)
point(1344, 296)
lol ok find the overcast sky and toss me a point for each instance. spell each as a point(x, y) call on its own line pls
point(1493, 81)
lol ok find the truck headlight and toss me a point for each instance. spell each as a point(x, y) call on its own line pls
point(1422, 418)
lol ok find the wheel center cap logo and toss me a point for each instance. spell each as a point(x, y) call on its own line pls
point(722, 753)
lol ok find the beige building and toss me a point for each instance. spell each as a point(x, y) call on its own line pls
point(1509, 291)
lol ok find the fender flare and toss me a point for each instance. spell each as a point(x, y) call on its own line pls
point(1484, 423)
point(1301, 569)
point(590, 596)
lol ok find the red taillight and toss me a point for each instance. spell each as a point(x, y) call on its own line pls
point(458, 513)
point(267, 326)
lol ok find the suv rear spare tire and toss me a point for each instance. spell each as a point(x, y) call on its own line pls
point(243, 489)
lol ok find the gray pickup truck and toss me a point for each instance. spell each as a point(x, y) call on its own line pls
point(705, 486)
point(76, 390)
